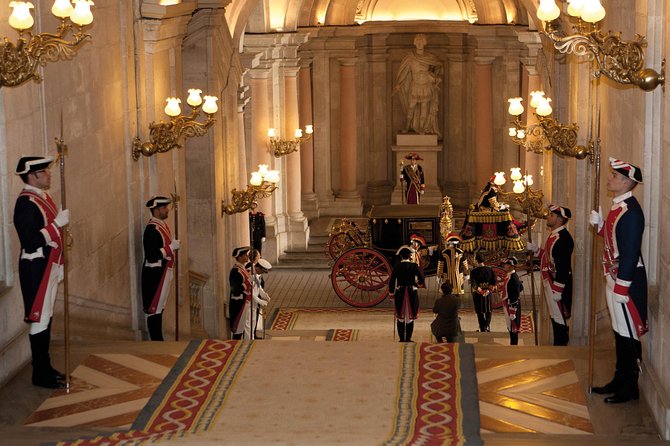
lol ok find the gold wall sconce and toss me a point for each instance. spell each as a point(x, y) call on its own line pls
point(282, 147)
point(619, 60)
point(547, 134)
point(165, 136)
point(531, 201)
point(262, 184)
point(19, 62)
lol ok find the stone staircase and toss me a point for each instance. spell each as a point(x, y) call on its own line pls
point(312, 258)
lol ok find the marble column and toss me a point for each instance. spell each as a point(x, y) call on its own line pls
point(298, 230)
point(242, 219)
point(310, 204)
point(484, 167)
point(348, 201)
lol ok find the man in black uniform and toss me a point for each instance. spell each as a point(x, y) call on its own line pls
point(257, 229)
point(405, 279)
point(511, 300)
point(482, 283)
point(38, 223)
point(159, 253)
point(241, 288)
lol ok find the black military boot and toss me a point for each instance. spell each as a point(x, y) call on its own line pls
point(56, 374)
point(408, 331)
point(401, 330)
point(42, 375)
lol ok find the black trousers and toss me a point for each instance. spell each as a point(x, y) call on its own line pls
point(155, 326)
point(483, 309)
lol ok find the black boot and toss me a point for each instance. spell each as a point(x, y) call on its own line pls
point(408, 331)
point(627, 389)
point(155, 326)
point(58, 375)
point(487, 317)
point(401, 330)
point(513, 338)
point(609, 388)
point(42, 375)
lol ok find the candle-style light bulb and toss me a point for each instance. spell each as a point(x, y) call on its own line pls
point(256, 179)
point(62, 8)
point(575, 8)
point(536, 97)
point(512, 131)
point(544, 109)
point(194, 99)
point(297, 133)
point(82, 15)
point(499, 178)
point(593, 11)
point(515, 173)
point(515, 107)
point(21, 18)
point(172, 108)
point(272, 133)
point(210, 106)
point(309, 129)
point(518, 187)
point(263, 169)
point(548, 11)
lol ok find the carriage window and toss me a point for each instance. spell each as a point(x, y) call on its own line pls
point(425, 228)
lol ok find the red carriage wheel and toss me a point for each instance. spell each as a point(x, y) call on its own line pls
point(497, 294)
point(360, 277)
point(338, 243)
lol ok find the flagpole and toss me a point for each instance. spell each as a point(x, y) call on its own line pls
point(61, 148)
point(175, 201)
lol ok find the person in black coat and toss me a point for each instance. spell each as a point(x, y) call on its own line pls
point(445, 326)
point(405, 279)
point(482, 282)
point(159, 253)
point(512, 301)
point(257, 230)
point(39, 224)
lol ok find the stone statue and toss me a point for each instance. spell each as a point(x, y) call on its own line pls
point(418, 85)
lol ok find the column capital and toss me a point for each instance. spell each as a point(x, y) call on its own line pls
point(347, 61)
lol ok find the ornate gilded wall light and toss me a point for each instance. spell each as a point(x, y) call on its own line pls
point(282, 147)
point(19, 62)
point(619, 60)
point(165, 136)
point(262, 184)
point(547, 134)
point(531, 201)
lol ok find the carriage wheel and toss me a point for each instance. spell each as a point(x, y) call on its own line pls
point(501, 275)
point(338, 243)
point(360, 277)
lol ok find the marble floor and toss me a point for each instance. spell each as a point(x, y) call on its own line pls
point(527, 394)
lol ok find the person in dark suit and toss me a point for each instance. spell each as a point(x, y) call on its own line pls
point(257, 229)
point(626, 277)
point(241, 288)
point(405, 279)
point(159, 253)
point(445, 326)
point(39, 223)
point(556, 266)
point(512, 300)
point(482, 282)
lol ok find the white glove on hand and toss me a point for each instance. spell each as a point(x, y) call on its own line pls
point(262, 239)
point(556, 297)
point(596, 218)
point(175, 245)
point(262, 303)
point(62, 218)
point(621, 299)
point(532, 247)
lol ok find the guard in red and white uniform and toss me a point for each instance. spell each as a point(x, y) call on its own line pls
point(626, 278)
point(38, 223)
point(556, 267)
point(157, 272)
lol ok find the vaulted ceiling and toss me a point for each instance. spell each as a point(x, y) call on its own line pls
point(263, 16)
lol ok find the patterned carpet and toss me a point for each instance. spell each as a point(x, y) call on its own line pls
point(312, 393)
point(354, 324)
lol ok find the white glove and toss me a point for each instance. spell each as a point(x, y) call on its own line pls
point(620, 299)
point(421, 192)
point(62, 218)
point(175, 245)
point(262, 239)
point(262, 303)
point(530, 246)
point(596, 218)
point(556, 297)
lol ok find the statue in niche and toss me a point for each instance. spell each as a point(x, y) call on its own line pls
point(418, 85)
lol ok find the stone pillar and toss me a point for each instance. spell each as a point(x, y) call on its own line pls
point(310, 204)
point(242, 219)
point(348, 200)
point(298, 231)
point(260, 106)
point(484, 167)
